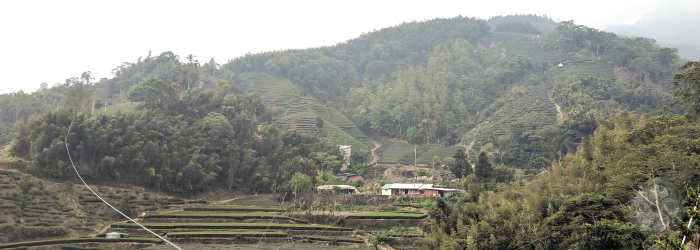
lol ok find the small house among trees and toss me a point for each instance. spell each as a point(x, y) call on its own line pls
point(350, 177)
point(416, 190)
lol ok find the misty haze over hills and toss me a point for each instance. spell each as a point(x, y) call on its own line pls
point(671, 23)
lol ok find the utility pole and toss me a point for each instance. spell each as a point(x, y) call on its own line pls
point(106, 107)
point(415, 155)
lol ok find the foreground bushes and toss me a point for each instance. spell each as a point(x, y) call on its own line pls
point(11, 232)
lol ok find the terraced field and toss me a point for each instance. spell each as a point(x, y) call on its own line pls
point(191, 214)
point(300, 111)
point(392, 152)
point(266, 246)
point(427, 157)
point(534, 103)
point(78, 240)
point(231, 226)
point(226, 234)
point(336, 123)
point(387, 215)
point(235, 208)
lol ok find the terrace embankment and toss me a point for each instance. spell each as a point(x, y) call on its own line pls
point(120, 245)
point(376, 224)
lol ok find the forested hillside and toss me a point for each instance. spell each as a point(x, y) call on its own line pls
point(178, 141)
point(564, 125)
point(527, 24)
point(443, 82)
point(455, 81)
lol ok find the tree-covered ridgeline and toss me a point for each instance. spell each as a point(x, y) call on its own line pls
point(14, 105)
point(178, 141)
point(442, 80)
point(522, 24)
point(439, 79)
point(330, 72)
point(166, 67)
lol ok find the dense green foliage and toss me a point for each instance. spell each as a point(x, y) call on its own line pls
point(571, 108)
point(180, 141)
point(517, 27)
point(14, 233)
point(15, 105)
point(687, 87)
point(542, 24)
point(580, 204)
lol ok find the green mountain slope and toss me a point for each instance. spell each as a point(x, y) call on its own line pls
point(300, 112)
point(454, 80)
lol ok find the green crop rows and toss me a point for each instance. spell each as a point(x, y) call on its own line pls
point(336, 123)
point(427, 158)
point(255, 200)
point(215, 215)
point(226, 234)
point(191, 214)
point(234, 208)
point(232, 226)
point(392, 152)
point(79, 240)
point(330, 238)
point(387, 215)
point(266, 246)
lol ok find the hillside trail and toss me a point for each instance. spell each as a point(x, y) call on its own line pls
point(229, 200)
point(560, 115)
point(466, 147)
point(374, 155)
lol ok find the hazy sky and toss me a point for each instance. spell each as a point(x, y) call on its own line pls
point(49, 41)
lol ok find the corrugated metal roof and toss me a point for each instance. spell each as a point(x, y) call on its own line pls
point(444, 189)
point(387, 186)
point(406, 186)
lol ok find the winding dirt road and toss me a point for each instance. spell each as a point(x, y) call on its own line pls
point(374, 155)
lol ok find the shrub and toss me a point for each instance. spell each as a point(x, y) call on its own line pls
point(382, 238)
point(13, 232)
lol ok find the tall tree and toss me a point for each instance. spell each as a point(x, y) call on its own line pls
point(153, 93)
point(300, 183)
point(461, 166)
point(483, 168)
point(86, 77)
point(687, 88)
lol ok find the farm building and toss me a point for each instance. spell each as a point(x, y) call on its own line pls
point(417, 190)
point(441, 192)
point(350, 177)
point(344, 189)
point(115, 235)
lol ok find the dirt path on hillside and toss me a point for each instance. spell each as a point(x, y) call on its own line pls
point(560, 115)
point(374, 155)
point(226, 201)
point(466, 147)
